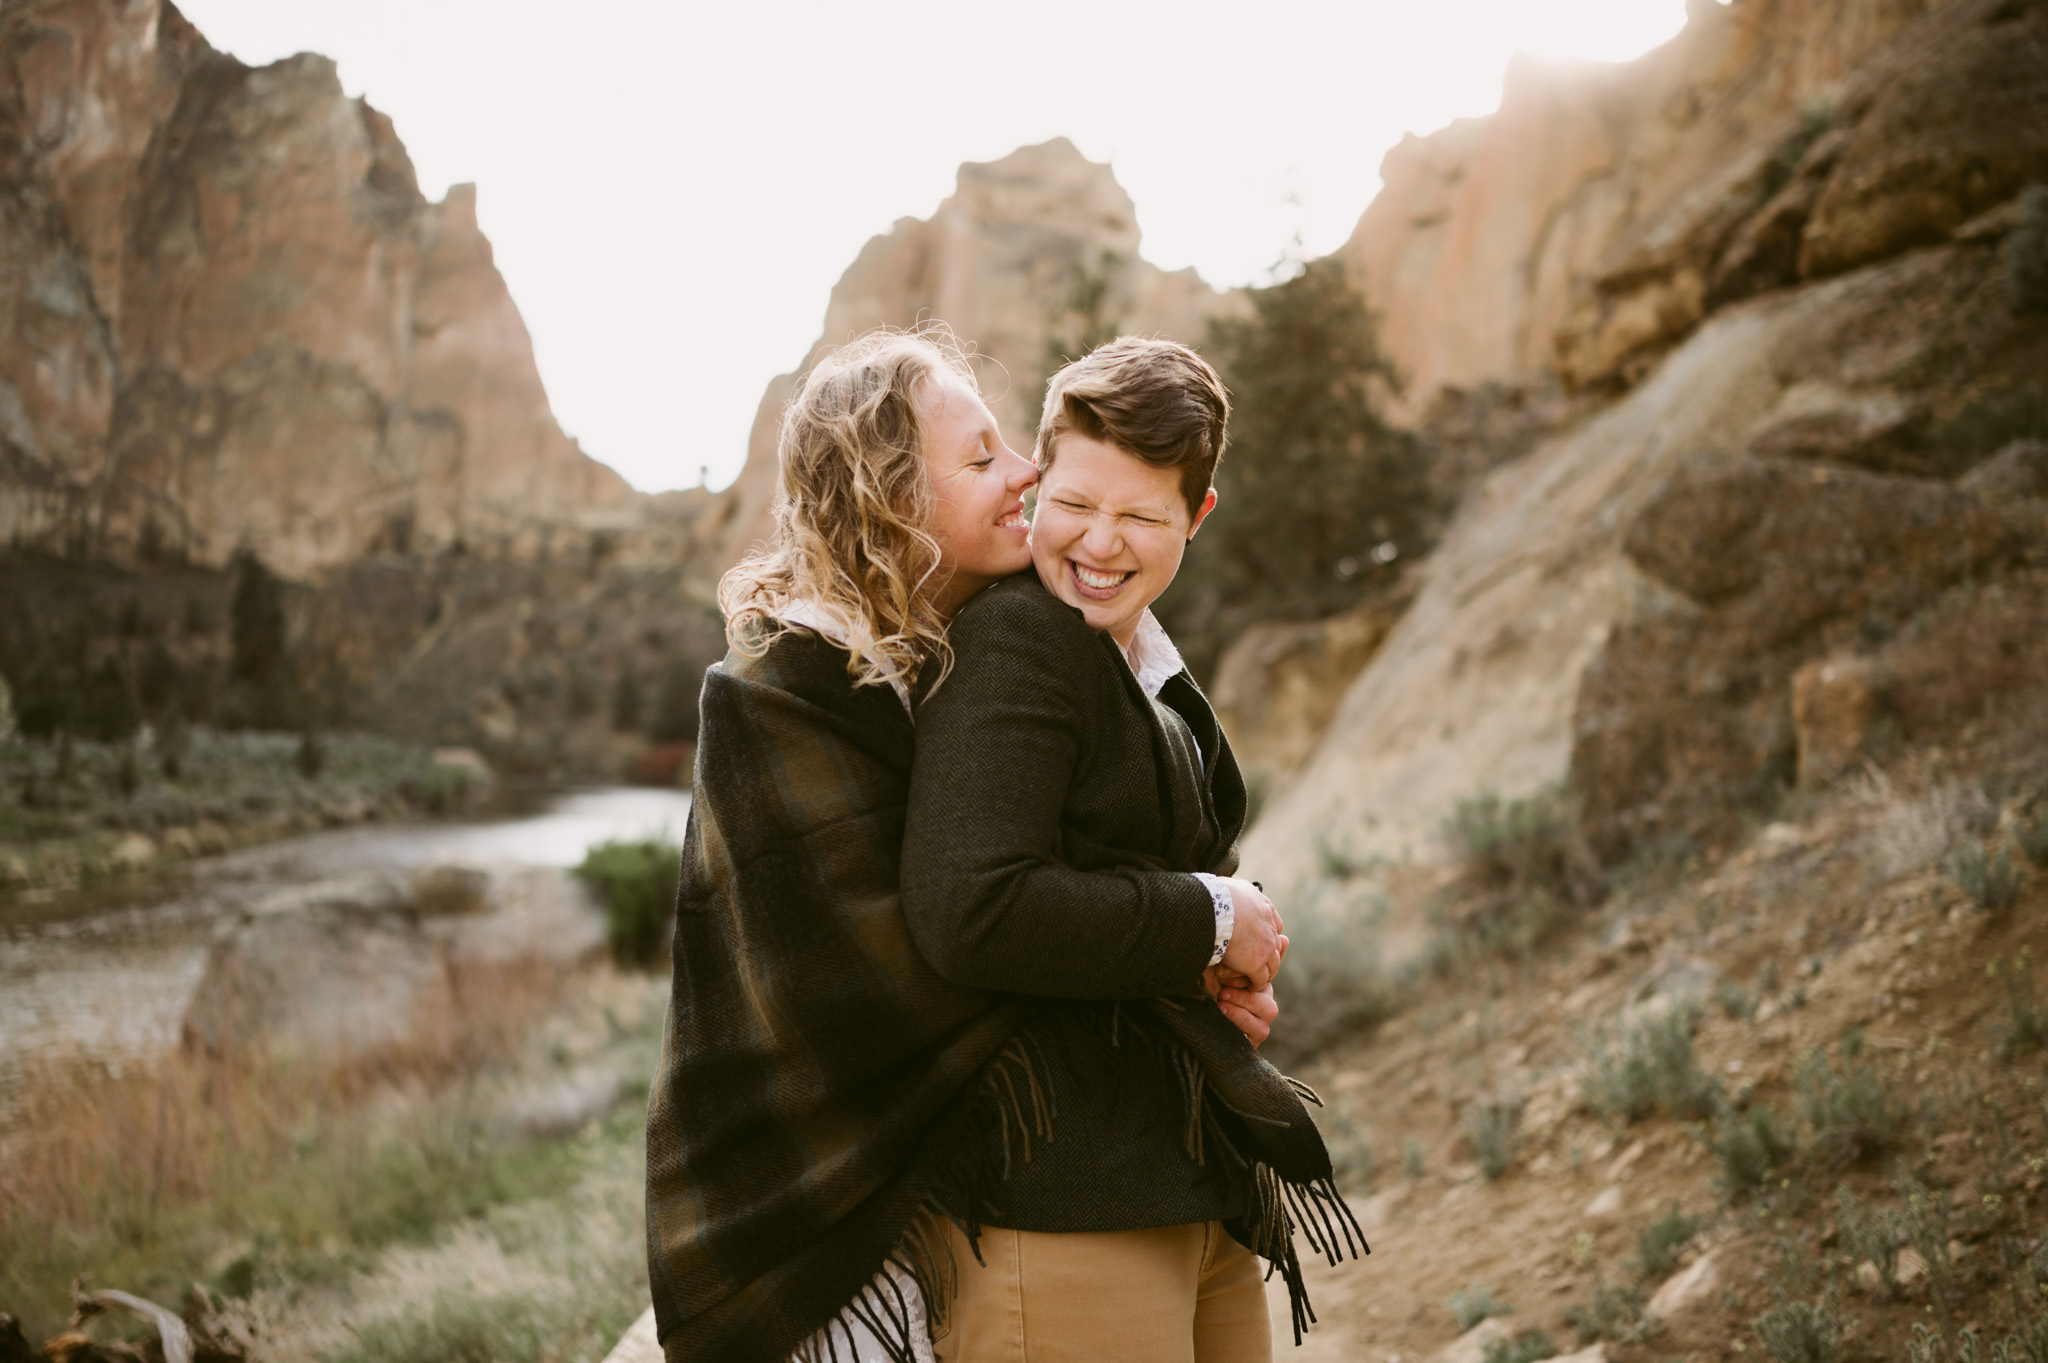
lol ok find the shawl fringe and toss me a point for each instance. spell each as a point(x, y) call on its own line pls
point(1017, 1106)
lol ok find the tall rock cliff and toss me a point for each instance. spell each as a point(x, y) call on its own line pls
point(1793, 264)
point(231, 318)
point(1580, 228)
point(1031, 258)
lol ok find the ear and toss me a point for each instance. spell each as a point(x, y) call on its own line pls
point(1202, 512)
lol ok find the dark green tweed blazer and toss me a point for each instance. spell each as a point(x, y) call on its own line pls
point(1055, 811)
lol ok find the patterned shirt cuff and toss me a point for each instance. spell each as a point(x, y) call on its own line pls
point(1226, 911)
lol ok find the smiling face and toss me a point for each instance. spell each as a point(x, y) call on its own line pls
point(1110, 532)
point(978, 484)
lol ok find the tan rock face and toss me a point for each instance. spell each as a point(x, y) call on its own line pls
point(239, 320)
point(1008, 261)
point(1580, 225)
point(1278, 686)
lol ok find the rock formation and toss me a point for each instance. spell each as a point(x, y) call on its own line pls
point(1031, 259)
point(1582, 227)
point(232, 319)
point(1793, 245)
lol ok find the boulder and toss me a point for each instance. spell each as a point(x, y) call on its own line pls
point(1471, 1346)
point(356, 969)
point(333, 972)
point(1278, 686)
point(1698, 1282)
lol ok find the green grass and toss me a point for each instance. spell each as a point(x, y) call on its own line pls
point(636, 883)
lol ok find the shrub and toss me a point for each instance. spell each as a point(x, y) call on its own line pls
point(1871, 1235)
point(1614, 1313)
point(310, 758)
point(1801, 1332)
point(1648, 1066)
point(1524, 843)
point(2026, 252)
point(445, 788)
point(6, 711)
point(636, 883)
point(1530, 1346)
point(1735, 1001)
point(1658, 1244)
point(2030, 832)
point(2025, 1029)
point(1411, 1158)
point(675, 702)
point(1474, 1304)
point(1491, 1129)
point(1321, 495)
point(1751, 1146)
point(1990, 879)
point(1850, 1111)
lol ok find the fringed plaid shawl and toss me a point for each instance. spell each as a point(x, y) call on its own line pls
point(823, 1091)
point(818, 1080)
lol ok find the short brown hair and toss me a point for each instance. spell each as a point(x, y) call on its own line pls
point(1157, 400)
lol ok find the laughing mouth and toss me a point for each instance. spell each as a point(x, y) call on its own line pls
point(1097, 581)
point(1014, 521)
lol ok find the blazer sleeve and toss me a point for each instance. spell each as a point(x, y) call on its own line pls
point(988, 899)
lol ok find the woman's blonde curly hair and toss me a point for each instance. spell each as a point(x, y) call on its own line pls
point(853, 503)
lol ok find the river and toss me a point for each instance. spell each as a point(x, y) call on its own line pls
point(109, 973)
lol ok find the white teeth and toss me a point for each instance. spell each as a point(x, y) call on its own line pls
point(1013, 521)
point(1099, 581)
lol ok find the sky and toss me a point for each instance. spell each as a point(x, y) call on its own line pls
point(673, 187)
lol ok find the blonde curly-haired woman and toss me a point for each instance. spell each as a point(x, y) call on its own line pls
point(831, 1111)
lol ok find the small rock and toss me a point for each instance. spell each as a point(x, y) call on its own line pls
point(1626, 1158)
point(1686, 1287)
point(1592, 1353)
point(133, 850)
point(1606, 1206)
point(1912, 1267)
point(1867, 1276)
point(565, 1108)
point(1470, 1347)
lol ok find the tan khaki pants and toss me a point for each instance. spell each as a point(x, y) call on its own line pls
point(1174, 1294)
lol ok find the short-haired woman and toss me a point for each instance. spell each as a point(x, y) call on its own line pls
point(1074, 817)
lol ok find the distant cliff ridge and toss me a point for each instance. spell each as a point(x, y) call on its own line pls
point(1031, 258)
point(228, 316)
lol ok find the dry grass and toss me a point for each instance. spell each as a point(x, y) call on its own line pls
point(231, 1169)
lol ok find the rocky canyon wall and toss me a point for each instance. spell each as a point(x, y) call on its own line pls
point(229, 318)
point(1031, 258)
point(1538, 239)
point(1793, 264)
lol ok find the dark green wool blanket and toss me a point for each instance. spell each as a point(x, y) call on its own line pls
point(823, 1091)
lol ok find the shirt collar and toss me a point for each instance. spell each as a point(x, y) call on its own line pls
point(1152, 656)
